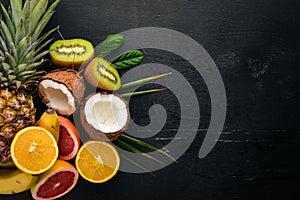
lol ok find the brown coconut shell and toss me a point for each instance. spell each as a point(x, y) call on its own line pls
point(96, 134)
point(68, 77)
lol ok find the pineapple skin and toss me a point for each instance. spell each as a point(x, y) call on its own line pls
point(17, 111)
point(22, 44)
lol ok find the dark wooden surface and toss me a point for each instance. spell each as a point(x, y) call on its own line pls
point(256, 46)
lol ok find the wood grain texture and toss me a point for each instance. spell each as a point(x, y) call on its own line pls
point(256, 46)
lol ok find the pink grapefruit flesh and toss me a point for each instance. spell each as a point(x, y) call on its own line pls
point(60, 179)
point(69, 141)
point(58, 184)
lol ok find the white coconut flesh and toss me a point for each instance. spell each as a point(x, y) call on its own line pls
point(58, 96)
point(106, 112)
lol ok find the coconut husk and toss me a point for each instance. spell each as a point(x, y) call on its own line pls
point(71, 79)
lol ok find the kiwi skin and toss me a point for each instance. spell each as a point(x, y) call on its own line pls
point(69, 59)
point(98, 80)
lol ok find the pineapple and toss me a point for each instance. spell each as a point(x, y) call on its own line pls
point(21, 55)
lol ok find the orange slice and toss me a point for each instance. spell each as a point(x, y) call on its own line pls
point(34, 150)
point(97, 161)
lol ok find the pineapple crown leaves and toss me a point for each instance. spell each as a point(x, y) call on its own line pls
point(21, 42)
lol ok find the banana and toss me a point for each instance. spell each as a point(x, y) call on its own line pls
point(14, 181)
point(49, 121)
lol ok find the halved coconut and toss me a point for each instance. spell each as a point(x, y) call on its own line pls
point(57, 90)
point(104, 116)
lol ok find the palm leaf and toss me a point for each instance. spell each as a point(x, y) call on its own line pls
point(136, 164)
point(131, 94)
point(146, 145)
point(144, 80)
point(130, 148)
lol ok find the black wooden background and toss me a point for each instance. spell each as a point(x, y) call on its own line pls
point(256, 46)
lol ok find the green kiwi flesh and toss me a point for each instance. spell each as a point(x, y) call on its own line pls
point(71, 53)
point(102, 74)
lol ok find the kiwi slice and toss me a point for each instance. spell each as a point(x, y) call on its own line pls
point(71, 53)
point(102, 74)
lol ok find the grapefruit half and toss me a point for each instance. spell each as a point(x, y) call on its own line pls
point(69, 140)
point(56, 182)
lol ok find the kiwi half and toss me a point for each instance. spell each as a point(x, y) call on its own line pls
point(71, 53)
point(102, 74)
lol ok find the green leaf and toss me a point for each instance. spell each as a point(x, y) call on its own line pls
point(131, 94)
point(35, 2)
point(41, 39)
point(8, 21)
point(129, 59)
point(14, 51)
point(20, 68)
point(3, 45)
point(34, 65)
point(37, 12)
point(11, 77)
point(135, 163)
point(6, 67)
point(44, 20)
point(7, 34)
point(52, 6)
point(28, 49)
point(20, 32)
point(10, 59)
point(29, 56)
point(144, 80)
point(41, 25)
point(16, 8)
point(23, 44)
point(111, 43)
point(39, 56)
point(44, 44)
point(25, 73)
point(128, 147)
point(32, 77)
point(144, 144)
point(26, 15)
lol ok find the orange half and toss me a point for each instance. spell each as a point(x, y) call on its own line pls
point(34, 150)
point(97, 161)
